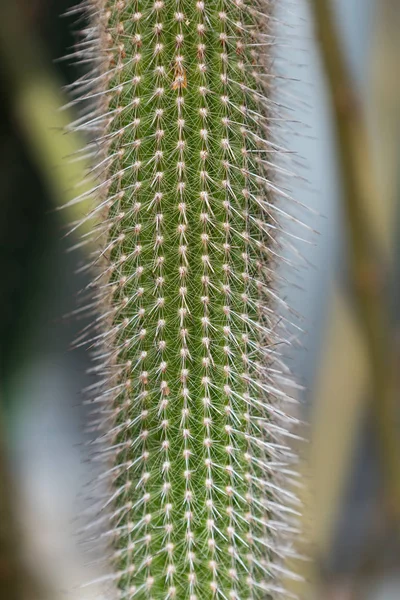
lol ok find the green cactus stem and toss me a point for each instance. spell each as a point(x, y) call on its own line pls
point(190, 418)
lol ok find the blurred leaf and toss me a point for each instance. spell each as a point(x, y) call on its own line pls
point(37, 103)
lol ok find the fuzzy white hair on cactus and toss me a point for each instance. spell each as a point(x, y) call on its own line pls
point(190, 407)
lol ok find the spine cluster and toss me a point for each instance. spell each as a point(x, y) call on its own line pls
point(189, 410)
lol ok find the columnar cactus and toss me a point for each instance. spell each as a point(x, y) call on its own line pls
point(190, 418)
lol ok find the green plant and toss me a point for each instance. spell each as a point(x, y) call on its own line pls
point(183, 119)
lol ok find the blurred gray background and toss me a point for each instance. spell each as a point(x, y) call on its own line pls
point(43, 378)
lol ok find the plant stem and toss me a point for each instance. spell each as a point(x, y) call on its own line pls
point(186, 409)
point(359, 194)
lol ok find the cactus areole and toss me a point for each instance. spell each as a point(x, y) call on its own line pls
point(190, 414)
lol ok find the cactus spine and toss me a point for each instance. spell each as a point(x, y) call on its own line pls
point(189, 415)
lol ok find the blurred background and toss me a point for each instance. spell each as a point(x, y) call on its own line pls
point(44, 468)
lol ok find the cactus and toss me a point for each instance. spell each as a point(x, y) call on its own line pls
point(190, 420)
